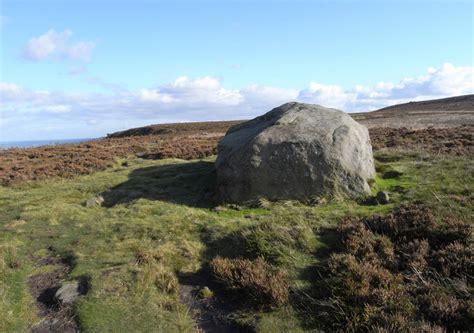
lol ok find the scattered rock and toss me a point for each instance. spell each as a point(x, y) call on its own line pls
point(68, 293)
point(95, 201)
point(55, 316)
point(382, 197)
point(295, 151)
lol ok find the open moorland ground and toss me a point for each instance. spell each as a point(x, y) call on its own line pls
point(150, 249)
point(158, 254)
point(66, 161)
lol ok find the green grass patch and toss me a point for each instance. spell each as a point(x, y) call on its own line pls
point(161, 210)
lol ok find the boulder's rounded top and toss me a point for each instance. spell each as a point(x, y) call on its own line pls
point(294, 151)
point(295, 113)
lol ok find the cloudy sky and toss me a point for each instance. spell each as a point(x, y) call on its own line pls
point(74, 69)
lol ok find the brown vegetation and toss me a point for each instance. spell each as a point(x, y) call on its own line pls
point(19, 165)
point(190, 141)
point(454, 141)
point(255, 280)
point(403, 272)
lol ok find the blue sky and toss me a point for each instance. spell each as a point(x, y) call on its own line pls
point(84, 68)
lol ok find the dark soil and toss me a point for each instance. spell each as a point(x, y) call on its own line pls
point(213, 314)
point(55, 317)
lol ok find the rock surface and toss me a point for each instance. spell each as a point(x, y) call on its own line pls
point(68, 293)
point(295, 151)
point(95, 201)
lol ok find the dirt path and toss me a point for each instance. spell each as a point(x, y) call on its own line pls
point(55, 317)
point(212, 314)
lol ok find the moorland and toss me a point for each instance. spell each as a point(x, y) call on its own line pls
point(133, 219)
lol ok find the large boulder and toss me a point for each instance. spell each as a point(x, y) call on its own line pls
point(295, 151)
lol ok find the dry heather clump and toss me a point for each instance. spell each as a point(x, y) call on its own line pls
point(255, 279)
point(152, 272)
point(403, 270)
point(454, 141)
point(456, 259)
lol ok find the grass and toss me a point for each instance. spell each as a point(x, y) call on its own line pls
point(156, 223)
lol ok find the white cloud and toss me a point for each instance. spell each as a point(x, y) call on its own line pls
point(199, 92)
point(327, 95)
point(60, 108)
point(54, 45)
point(448, 80)
point(201, 99)
point(10, 91)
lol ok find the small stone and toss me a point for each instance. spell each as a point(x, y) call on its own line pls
point(205, 293)
point(95, 201)
point(382, 197)
point(68, 293)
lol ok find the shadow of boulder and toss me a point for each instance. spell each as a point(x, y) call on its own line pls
point(191, 184)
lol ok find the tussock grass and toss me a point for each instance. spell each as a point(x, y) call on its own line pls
point(258, 281)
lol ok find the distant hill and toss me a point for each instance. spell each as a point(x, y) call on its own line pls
point(457, 103)
point(444, 112)
point(202, 128)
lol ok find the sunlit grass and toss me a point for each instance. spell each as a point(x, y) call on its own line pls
point(162, 206)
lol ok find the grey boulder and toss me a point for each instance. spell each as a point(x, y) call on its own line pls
point(295, 151)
